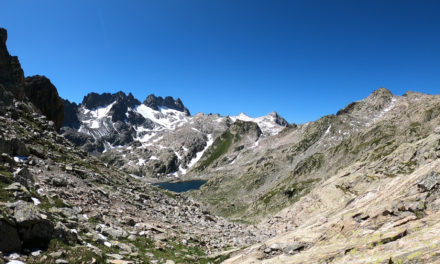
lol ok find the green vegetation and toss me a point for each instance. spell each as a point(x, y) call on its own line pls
point(309, 164)
point(281, 197)
point(78, 254)
point(5, 180)
point(310, 136)
point(220, 146)
point(346, 189)
point(432, 113)
point(47, 203)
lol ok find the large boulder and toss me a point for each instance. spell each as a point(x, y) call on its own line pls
point(43, 94)
point(34, 229)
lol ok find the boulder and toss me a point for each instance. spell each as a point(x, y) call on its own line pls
point(34, 229)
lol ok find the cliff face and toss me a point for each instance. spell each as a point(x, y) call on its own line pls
point(37, 89)
point(11, 74)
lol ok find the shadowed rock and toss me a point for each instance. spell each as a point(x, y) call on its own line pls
point(43, 94)
point(11, 74)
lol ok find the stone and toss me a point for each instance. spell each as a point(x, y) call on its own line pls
point(125, 248)
point(56, 254)
point(36, 253)
point(429, 181)
point(119, 261)
point(294, 248)
point(61, 261)
point(114, 232)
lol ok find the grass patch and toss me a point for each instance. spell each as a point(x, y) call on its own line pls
point(77, 254)
point(220, 146)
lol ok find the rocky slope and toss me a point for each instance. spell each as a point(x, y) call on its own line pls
point(58, 204)
point(360, 186)
point(153, 139)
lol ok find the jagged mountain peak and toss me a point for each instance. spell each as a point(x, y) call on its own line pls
point(278, 119)
point(379, 96)
point(381, 91)
point(95, 100)
point(270, 124)
point(378, 101)
point(155, 102)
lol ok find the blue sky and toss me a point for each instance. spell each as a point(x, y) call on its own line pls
point(303, 59)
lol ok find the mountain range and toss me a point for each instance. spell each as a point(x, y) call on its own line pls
point(157, 138)
point(358, 186)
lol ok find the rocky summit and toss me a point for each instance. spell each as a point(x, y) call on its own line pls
point(358, 186)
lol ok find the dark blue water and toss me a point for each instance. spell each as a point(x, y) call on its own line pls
point(182, 186)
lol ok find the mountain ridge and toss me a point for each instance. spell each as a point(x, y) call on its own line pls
point(118, 122)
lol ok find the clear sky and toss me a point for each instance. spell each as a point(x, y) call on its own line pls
point(303, 59)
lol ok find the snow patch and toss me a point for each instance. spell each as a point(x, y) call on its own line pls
point(200, 153)
point(36, 201)
point(20, 158)
point(328, 130)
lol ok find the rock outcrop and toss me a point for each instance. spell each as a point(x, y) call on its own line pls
point(37, 89)
point(43, 94)
point(11, 74)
